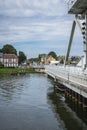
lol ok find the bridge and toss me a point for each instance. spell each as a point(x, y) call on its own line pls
point(74, 78)
point(39, 68)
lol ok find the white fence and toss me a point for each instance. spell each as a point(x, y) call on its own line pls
point(71, 74)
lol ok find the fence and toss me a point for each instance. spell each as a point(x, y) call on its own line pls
point(70, 74)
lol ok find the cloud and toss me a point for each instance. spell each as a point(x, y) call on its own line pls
point(27, 8)
point(24, 20)
point(35, 20)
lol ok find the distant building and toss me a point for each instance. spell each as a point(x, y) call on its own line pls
point(49, 59)
point(9, 60)
point(45, 59)
point(54, 62)
point(26, 64)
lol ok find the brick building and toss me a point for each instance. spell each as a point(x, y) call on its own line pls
point(8, 60)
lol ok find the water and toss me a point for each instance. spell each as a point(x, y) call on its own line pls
point(30, 103)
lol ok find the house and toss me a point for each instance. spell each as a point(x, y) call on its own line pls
point(46, 59)
point(50, 59)
point(9, 60)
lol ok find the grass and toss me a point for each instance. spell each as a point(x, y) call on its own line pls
point(16, 70)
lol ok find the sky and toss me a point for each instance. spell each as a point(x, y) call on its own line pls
point(38, 26)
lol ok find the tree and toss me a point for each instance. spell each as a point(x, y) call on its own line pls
point(61, 58)
point(0, 50)
point(41, 56)
point(21, 57)
point(9, 49)
point(53, 54)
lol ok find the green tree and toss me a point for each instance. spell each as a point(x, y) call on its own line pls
point(53, 54)
point(9, 49)
point(21, 57)
point(40, 56)
point(0, 50)
point(61, 58)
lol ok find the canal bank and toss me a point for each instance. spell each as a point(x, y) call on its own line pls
point(19, 71)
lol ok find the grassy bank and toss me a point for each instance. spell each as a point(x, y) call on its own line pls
point(16, 70)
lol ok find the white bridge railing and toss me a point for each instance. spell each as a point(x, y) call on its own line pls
point(70, 74)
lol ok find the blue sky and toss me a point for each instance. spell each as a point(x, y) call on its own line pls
point(37, 26)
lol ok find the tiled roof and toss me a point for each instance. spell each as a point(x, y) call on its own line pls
point(10, 56)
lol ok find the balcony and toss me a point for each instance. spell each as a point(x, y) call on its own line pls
point(77, 6)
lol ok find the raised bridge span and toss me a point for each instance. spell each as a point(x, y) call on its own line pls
point(74, 78)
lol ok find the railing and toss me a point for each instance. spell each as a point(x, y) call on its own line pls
point(69, 74)
point(38, 66)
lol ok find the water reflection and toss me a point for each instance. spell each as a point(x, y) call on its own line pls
point(78, 108)
point(64, 111)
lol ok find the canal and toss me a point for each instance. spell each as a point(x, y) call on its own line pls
point(29, 102)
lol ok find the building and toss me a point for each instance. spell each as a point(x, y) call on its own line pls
point(26, 64)
point(8, 60)
point(46, 59)
point(49, 59)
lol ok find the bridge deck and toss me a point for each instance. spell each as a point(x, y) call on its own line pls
point(69, 75)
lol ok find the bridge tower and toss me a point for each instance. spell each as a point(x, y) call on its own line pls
point(79, 9)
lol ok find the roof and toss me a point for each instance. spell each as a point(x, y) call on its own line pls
point(10, 56)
